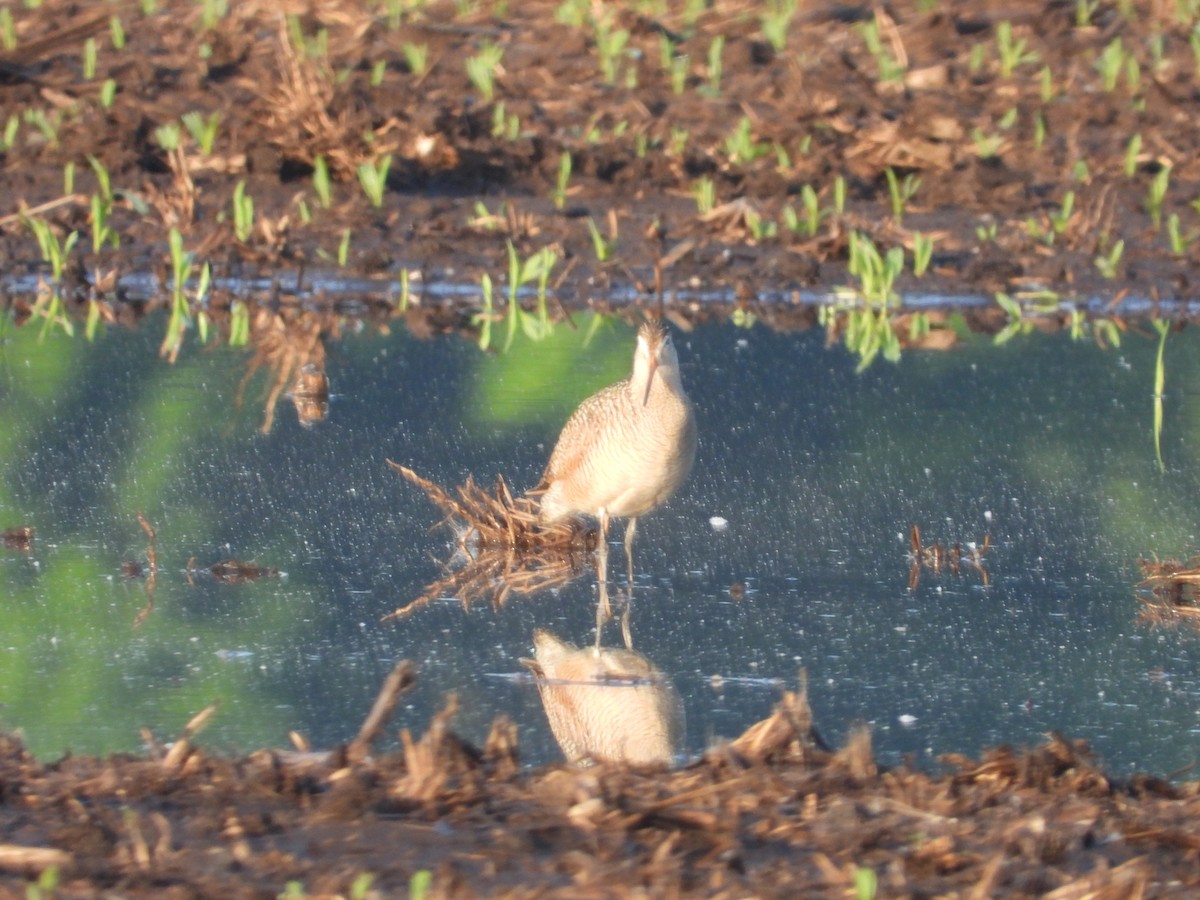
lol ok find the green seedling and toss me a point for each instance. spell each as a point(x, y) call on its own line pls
point(741, 147)
point(343, 251)
point(976, 59)
point(889, 67)
point(986, 145)
point(481, 69)
point(679, 74)
point(705, 193)
point(1179, 242)
point(203, 130)
point(1084, 10)
point(810, 221)
point(372, 177)
point(922, 253)
point(760, 229)
point(168, 136)
point(8, 29)
point(102, 232)
point(378, 71)
point(1039, 130)
point(563, 181)
point(1061, 219)
point(1157, 193)
point(876, 272)
point(47, 128)
point(108, 93)
point(11, 129)
point(600, 244)
point(716, 52)
point(986, 232)
point(866, 883)
point(69, 178)
point(243, 213)
point(212, 12)
point(1012, 51)
point(1107, 263)
point(839, 195)
point(420, 883)
point(416, 57)
point(504, 125)
point(89, 59)
point(776, 21)
point(1132, 151)
point(610, 46)
point(1111, 64)
point(900, 192)
point(322, 185)
point(116, 32)
point(679, 141)
point(573, 13)
point(1046, 84)
point(1080, 171)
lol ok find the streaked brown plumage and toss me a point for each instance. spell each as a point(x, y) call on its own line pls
point(608, 705)
point(625, 450)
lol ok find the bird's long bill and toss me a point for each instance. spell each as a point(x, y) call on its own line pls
point(650, 379)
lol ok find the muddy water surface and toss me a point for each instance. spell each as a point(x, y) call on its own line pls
point(1043, 445)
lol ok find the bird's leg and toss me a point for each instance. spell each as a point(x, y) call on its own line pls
point(603, 607)
point(625, 633)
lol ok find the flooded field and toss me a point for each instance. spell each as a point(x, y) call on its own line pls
point(789, 547)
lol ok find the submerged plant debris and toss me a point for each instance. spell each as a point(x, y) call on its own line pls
point(501, 547)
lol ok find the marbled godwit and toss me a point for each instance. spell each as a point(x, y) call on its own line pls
point(623, 452)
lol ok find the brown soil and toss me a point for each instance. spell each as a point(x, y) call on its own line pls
point(770, 814)
point(288, 91)
point(996, 153)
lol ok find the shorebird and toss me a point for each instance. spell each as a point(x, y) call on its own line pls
point(623, 452)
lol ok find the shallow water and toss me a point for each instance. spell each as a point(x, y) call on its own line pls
point(1042, 444)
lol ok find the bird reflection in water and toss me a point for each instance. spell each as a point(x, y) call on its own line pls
point(606, 704)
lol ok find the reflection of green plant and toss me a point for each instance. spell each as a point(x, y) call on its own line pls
point(876, 272)
point(483, 318)
point(1162, 326)
point(520, 272)
point(182, 264)
point(49, 303)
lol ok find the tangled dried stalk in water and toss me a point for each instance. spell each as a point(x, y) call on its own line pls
point(1169, 592)
point(502, 547)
